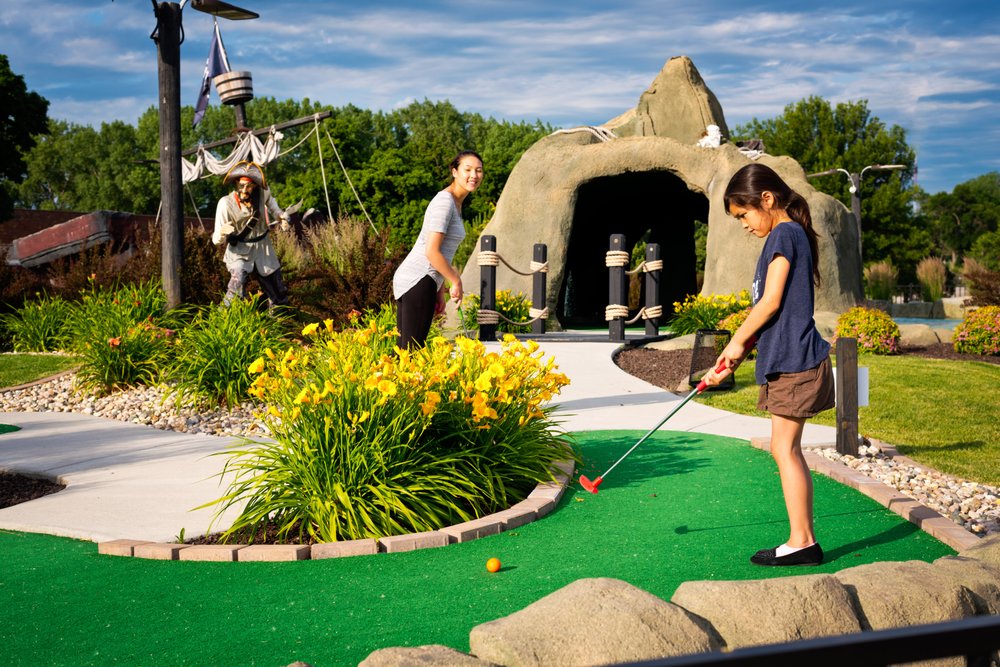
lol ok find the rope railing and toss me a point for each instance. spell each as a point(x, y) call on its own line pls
point(616, 312)
point(488, 317)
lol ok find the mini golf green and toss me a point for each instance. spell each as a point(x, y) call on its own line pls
point(8, 428)
point(682, 507)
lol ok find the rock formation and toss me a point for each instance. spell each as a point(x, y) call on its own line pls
point(643, 175)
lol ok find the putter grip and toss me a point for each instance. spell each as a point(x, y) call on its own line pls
point(722, 365)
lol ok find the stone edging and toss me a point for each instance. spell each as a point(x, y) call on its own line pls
point(541, 501)
point(925, 518)
point(28, 385)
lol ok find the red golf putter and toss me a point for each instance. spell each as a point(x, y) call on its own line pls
point(592, 485)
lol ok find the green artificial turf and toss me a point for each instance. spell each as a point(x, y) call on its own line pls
point(8, 428)
point(682, 507)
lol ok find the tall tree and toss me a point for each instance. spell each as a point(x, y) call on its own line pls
point(78, 168)
point(24, 115)
point(958, 218)
point(821, 136)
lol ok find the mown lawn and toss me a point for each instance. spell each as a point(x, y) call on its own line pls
point(940, 413)
point(18, 369)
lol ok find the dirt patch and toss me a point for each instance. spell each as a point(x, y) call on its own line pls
point(16, 489)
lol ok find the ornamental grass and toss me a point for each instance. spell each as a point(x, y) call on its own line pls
point(932, 275)
point(880, 280)
point(371, 441)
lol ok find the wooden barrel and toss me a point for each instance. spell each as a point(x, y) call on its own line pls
point(234, 87)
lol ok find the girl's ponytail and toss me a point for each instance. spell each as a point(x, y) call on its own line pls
point(750, 182)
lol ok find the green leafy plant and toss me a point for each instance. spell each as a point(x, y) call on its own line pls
point(979, 332)
point(136, 356)
point(881, 280)
point(874, 330)
point(368, 444)
point(705, 312)
point(734, 321)
point(122, 337)
point(514, 307)
point(212, 354)
point(38, 326)
point(932, 275)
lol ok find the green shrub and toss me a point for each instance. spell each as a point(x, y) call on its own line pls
point(123, 337)
point(932, 275)
point(705, 312)
point(38, 326)
point(214, 352)
point(874, 330)
point(880, 280)
point(368, 444)
point(136, 356)
point(513, 307)
point(979, 332)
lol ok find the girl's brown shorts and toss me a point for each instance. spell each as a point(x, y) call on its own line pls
point(803, 394)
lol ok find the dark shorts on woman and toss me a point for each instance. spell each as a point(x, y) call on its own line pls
point(802, 394)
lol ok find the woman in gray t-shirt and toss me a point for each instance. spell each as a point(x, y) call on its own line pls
point(419, 283)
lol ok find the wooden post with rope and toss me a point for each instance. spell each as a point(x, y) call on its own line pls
point(488, 288)
point(617, 288)
point(540, 255)
point(653, 288)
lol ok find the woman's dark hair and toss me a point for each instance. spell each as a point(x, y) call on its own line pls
point(458, 159)
point(750, 182)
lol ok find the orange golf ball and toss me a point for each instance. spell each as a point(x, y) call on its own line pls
point(493, 565)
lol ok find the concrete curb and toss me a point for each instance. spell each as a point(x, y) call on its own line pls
point(541, 501)
point(932, 523)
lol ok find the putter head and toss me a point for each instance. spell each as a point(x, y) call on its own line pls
point(589, 485)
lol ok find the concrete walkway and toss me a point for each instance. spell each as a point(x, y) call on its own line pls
point(130, 481)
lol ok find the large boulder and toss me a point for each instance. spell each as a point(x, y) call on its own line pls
point(648, 179)
point(592, 622)
point(896, 595)
point(802, 607)
point(421, 656)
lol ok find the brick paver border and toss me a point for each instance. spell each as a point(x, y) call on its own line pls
point(541, 501)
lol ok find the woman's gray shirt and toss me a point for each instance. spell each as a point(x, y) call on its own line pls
point(441, 216)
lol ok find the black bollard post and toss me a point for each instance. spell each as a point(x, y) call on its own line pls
point(617, 290)
point(847, 396)
point(652, 288)
point(540, 254)
point(488, 288)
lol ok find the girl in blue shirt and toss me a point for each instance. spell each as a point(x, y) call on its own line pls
point(793, 360)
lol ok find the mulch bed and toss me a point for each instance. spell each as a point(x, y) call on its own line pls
point(666, 369)
point(15, 489)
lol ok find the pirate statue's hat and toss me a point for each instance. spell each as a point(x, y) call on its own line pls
point(246, 169)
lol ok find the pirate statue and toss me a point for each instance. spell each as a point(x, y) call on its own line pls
point(243, 220)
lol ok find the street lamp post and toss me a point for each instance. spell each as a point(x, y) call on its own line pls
point(855, 190)
point(168, 37)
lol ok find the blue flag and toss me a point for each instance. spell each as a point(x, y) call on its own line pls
point(216, 64)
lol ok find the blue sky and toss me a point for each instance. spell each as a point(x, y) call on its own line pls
point(931, 70)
